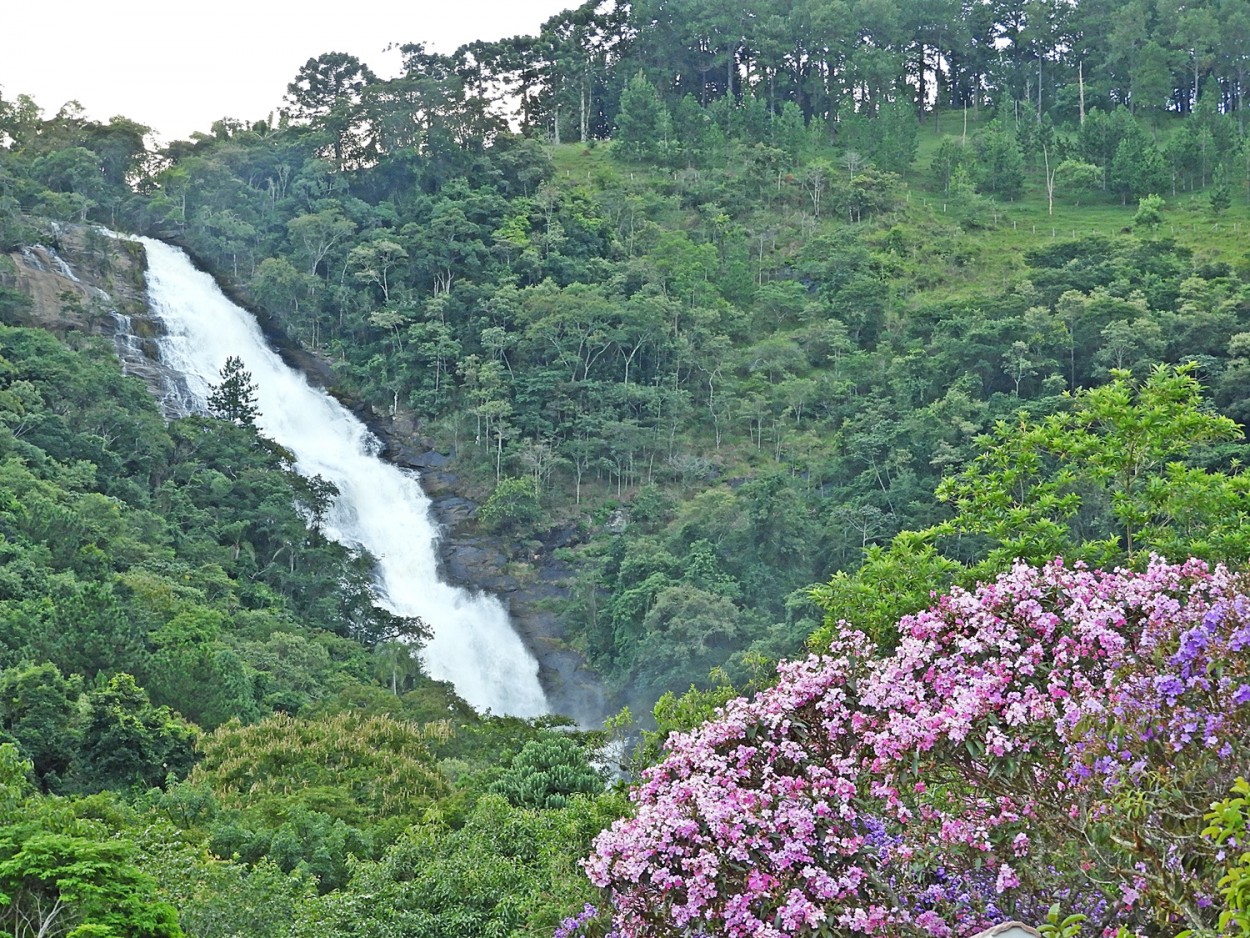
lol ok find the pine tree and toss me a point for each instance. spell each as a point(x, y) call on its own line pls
point(643, 123)
point(1221, 195)
point(234, 399)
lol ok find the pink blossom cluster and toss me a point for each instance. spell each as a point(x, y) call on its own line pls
point(1038, 739)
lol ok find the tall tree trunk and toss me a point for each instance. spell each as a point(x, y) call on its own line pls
point(584, 116)
point(1080, 84)
point(920, 82)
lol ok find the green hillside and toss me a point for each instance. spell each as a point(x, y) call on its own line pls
point(763, 327)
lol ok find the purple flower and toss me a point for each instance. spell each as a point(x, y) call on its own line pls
point(1169, 686)
point(571, 927)
point(1240, 638)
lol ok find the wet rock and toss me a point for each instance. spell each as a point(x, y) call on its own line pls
point(401, 454)
point(451, 511)
point(440, 485)
point(573, 688)
point(431, 460)
point(476, 565)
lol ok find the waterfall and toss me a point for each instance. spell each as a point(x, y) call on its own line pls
point(380, 508)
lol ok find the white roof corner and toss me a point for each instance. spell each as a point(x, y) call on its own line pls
point(1010, 930)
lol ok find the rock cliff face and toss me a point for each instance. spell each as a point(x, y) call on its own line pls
point(82, 281)
point(477, 561)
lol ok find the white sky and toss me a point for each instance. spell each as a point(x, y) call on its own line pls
point(177, 66)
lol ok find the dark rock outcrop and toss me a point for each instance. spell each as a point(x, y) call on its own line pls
point(482, 562)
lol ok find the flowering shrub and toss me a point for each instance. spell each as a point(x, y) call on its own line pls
point(1053, 736)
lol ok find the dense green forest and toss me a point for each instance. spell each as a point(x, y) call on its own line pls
point(713, 302)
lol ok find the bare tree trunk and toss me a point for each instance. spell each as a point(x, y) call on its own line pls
point(585, 115)
point(1050, 192)
point(1080, 84)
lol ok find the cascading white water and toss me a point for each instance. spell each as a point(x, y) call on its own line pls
point(379, 508)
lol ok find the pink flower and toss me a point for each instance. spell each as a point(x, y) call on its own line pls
point(1007, 879)
point(931, 922)
point(1007, 720)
